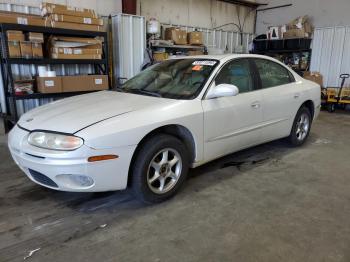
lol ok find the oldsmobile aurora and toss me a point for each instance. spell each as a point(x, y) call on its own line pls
point(175, 115)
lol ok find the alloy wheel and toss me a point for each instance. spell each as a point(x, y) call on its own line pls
point(303, 125)
point(164, 171)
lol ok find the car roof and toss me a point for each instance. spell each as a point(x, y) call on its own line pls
point(223, 57)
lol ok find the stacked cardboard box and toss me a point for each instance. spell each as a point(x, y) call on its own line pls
point(195, 38)
point(20, 18)
point(14, 38)
point(298, 28)
point(62, 16)
point(178, 36)
point(75, 48)
point(78, 83)
point(26, 47)
point(314, 77)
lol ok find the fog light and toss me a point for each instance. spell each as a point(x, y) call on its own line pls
point(75, 181)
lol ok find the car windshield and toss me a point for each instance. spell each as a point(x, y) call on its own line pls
point(176, 79)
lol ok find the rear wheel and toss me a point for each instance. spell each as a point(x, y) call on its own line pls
point(160, 168)
point(301, 127)
point(331, 107)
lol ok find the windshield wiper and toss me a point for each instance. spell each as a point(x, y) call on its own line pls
point(141, 91)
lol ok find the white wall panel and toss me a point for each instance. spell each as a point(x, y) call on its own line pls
point(129, 44)
point(331, 54)
point(198, 13)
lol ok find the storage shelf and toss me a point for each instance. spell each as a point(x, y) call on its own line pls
point(53, 95)
point(50, 30)
point(47, 61)
point(180, 46)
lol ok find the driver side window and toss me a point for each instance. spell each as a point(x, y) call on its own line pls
point(237, 73)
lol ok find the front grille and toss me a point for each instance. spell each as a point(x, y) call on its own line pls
point(42, 179)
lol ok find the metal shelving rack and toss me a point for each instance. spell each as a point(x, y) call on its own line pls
point(11, 115)
point(286, 51)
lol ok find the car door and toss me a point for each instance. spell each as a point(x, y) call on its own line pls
point(280, 98)
point(231, 123)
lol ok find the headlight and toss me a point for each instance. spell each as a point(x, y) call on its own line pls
point(55, 141)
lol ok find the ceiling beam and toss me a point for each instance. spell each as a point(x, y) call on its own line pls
point(244, 3)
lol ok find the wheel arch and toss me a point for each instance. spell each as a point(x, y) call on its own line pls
point(178, 131)
point(309, 104)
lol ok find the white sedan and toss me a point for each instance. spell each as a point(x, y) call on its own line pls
point(175, 115)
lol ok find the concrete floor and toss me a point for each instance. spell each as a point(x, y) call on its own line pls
point(269, 203)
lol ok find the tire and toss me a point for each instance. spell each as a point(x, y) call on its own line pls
point(331, 108)
point(156, 176)
point(300, 133)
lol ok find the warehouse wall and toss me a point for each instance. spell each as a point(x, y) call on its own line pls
point(104, 7)
point(200, 13)
point(323, 13)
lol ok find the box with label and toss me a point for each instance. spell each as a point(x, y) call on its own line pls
point(19, 18)
point(48, 85)
point(49, 8)
point(13, 35)
point(74, 56)
point(177, 35)
point(75, 26)
point(76, 51)
point(36, 37)
point(14, 49)
point(76, 19)
point(84, 83)
point(99, 82)
point(26, 49)
point(195, 38)
point(37, 50)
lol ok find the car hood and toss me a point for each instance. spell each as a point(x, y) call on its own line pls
point(73, 114)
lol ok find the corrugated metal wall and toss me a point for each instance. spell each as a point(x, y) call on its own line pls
point(331, 54)
point(129, 44)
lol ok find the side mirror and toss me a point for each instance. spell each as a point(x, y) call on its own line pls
point(222, 90)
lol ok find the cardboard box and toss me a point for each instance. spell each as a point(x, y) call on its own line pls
point(37, 50)
point(72, 56)
point(314, 77)
point(195, 38)
point(99, 82)
point(84, 83)
point(49, 8)
point(23, 19)
point(75, 40)
point(76, 19)
point(76, 51)
point(14, 49)
point(13, 35)
point(177, 35)
point(295, 33)
point(48, 85)
point(161, 56)
point(194, 53)
point(36, 37)
point(26, 49)
point(75, 26)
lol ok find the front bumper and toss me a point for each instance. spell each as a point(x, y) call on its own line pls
point(70, 170)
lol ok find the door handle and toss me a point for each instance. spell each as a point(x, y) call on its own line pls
point(296, 95)
point(255, 105)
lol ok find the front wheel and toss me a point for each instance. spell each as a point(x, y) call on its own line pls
point(301, 127)
point(160, 168)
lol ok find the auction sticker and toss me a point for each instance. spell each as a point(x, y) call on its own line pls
point(204, 62)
